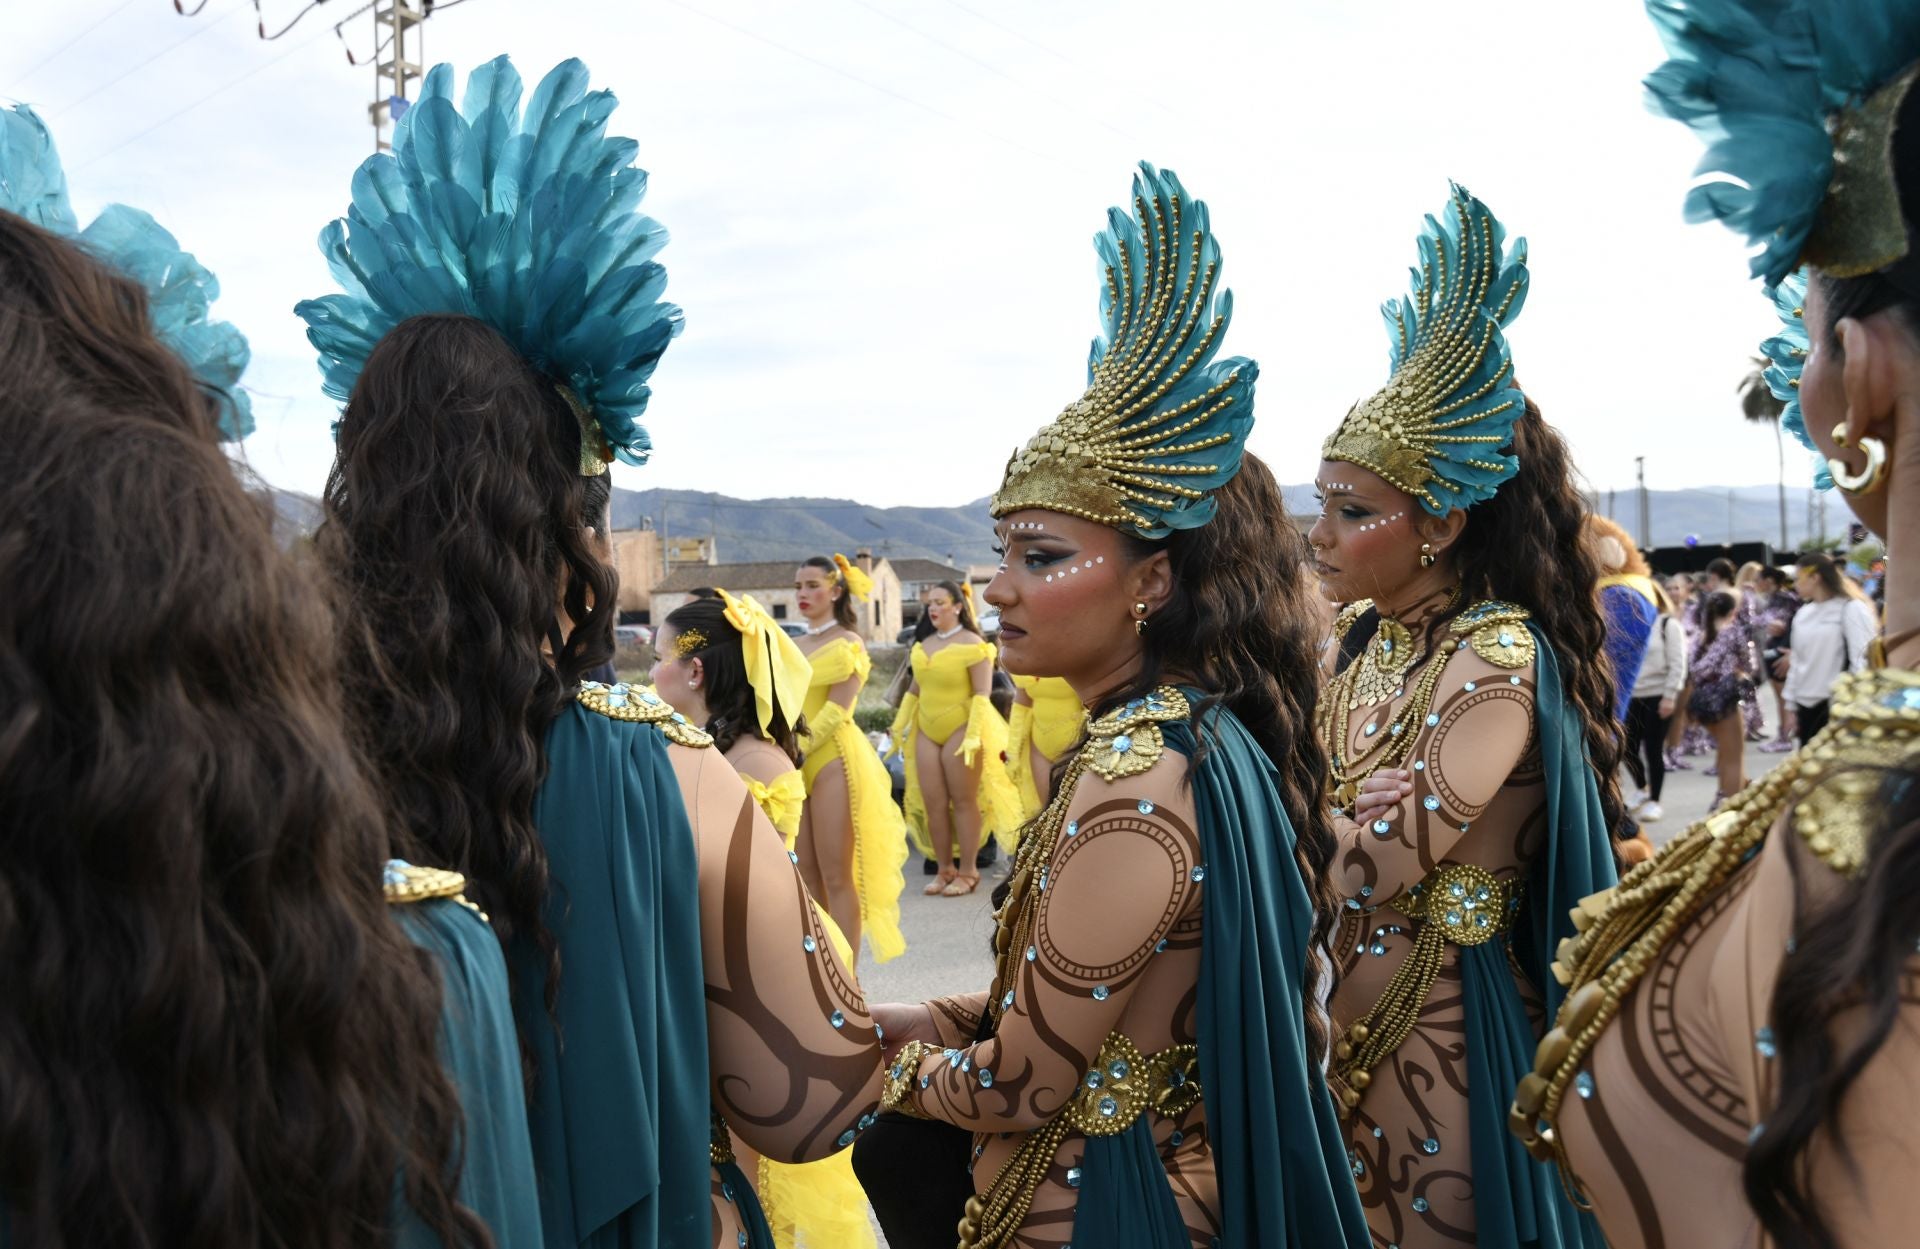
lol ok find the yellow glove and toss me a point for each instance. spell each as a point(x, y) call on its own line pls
point(822, 727)
point(1019, 734)
point(980, 717)
point(903, 723)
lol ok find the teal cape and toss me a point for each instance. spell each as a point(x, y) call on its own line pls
point(1519, 1202)
point(619, 1111)
point(482, 1054)
point(1279, 1152)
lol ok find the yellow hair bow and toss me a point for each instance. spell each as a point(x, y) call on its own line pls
point(776, 669)
point(858, 583)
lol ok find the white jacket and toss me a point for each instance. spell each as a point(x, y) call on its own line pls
point(1664, 671)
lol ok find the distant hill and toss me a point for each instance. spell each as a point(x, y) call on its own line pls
point(774, 529)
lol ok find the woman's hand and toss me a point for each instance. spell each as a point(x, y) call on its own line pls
point(1666, 708)
point(900, 1022)
point(1380, 793)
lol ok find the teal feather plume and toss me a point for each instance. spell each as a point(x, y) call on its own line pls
point(180, 290)
point(527, 219)
point(1786, 353)
point(1757, 81)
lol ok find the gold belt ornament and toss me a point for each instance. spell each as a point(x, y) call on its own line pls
point(1120, 1086)
point(720, 1148)
point(1459, 904)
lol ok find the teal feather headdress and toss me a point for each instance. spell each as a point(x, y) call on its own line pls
point(529, 222)
point(1786, 353)
point(180, 290)
point(1796, 100)
point(1163, 423)
point(1436, 431)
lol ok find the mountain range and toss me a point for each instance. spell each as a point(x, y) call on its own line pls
point(794, 528)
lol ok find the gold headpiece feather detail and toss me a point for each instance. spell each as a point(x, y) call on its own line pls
point(1162, 424)
point(688, 643)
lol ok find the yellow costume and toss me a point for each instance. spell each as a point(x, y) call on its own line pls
point(943, 706)
point(1052, 724)
point(879, 842)
point(822, 1197)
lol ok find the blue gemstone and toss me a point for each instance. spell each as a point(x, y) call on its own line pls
point(1176, 1138)
point(616, 700)
point(1198, 874)
point(742, 1242)
point(1419, 1205)
point(1419, 765)
point(878, 1034)
point(1160, 945)
point(1753, 1133)
point(846, 1138)
point(1430, 802)
point(1430, 1145)
point(678, 718)
point(1463, 828)
point(953, 1058)
point(1764, 1042)
point(1432, 720)
point(808, 944)
point(793, 857)
point(1122, 744)
point(1099, 993)
point(986, 1078)
point(651, 700)
point(1381, 828)
point(1073, 828)
point(726, 1189)
point(1176, 1078)
point(1043, 880)
point(1119, 1069)
point(1378, 1133)
point(1371, 729)
point(1378, 950)
point(1359, 1167)
point(837, 1019)
point(1108, 1108)
point(1145, 807)
point(1353, 904)
point(1904, 700)
point(868, 1120)
point(1032, 954)
point(1073, 1177)
point(1006, 1003)
point(1471, 687)
point(1583, 1085)
point(1094, 1079)
point(1513, 680)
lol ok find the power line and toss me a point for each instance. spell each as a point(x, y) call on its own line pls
point(178, 43)
point(48, 59)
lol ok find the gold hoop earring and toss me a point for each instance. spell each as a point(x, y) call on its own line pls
point(1427, 557)
point(1868, 479)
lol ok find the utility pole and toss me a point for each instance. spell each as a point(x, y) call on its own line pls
point(396, 28)
point(1646, 512)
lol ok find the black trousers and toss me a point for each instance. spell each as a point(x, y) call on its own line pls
point(1647, 739)
point(1810, 720)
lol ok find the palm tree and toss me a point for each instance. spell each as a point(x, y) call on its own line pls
point(1757, 404)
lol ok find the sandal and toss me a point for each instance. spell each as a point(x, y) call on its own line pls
point(962, 884)
point(938, 885)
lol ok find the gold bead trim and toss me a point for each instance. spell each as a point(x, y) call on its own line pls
point(641, 706)
point(406, 884)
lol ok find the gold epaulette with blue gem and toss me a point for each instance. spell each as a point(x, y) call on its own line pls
point(405, 884)
point(1127, 741)
point(1497, 632)
point(639, 705)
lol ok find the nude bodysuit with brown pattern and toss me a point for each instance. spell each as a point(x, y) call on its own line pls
point(794, 1062)
point(1478, 763)
point(1116, 949)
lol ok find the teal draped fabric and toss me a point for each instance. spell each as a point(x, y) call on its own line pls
point(735, 1188)
point(1519, 1202)
point(1125, 1199)
point(619, 1112)
point(1278, 1148)
point(482, 1054)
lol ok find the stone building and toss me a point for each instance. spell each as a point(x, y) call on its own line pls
point(771, 582)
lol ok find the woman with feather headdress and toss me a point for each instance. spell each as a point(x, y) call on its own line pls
point(499, 321)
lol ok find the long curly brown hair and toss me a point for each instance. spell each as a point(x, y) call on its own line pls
point(212, 1033)
point(459, 528)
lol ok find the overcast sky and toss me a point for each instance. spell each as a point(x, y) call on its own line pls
point(882, 210)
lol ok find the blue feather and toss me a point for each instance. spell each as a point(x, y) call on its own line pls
point(528, 220)
point(180, 290)
point(1786, 353)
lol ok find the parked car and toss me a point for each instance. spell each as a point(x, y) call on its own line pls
point(632, 635)
point(793, 628)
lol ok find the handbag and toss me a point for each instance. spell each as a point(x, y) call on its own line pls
point(918, 1174)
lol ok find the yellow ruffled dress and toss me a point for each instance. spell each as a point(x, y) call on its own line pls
point(946, 705)
point(818, 1205)
point(1053, 724)
point(879, 840)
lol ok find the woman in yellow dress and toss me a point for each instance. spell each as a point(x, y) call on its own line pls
point(1047, 721)
point(955, 746)
point(728, 667)
point(851, 842)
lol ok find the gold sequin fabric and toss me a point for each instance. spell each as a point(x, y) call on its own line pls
point(641, 706)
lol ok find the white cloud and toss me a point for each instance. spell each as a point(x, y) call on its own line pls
point(882, 208)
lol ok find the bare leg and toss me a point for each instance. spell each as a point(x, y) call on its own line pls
point(933, 793)
point(832, 850)
point(963, 784)
point(809, 864)
point(1730, 744)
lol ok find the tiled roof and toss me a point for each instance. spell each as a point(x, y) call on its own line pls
point(765, 575)
point(926, 570)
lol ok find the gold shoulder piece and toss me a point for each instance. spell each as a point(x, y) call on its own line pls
point(638, 705)
point(406, 883)
point(1497, 632)
point(1349, 616)
point(1875, 727)
point(1127, 740)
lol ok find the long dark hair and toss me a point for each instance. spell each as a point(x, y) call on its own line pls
point(1525, 545)
point(1851, 953)
point(1241, 623)
point(1720, 605)
point(730, 702)
point(967, 620)
point(213, 1032)
point(456, 515)
point(1827, 571)
point(842, 606)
